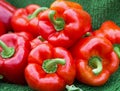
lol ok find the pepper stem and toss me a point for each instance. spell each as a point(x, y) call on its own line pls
point(73, 88)
point(50, 65)
point(96, 64)
point(1, 76)
point(36, 12)
point(7, 52)
point(117, 49)
point(58, 23)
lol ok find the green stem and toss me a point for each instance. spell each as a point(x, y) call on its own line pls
point(73, 88)
point(117, 49)
point(1, 76)
point(58, 23)
point(7, 52)
point(86, 35)
point(50, 65)
point(36, 12)
point(96, 64)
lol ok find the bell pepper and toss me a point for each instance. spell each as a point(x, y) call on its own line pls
point(37, 41)
point(14, 50)
point(6, 12)
point(64, 29)
point(49, 68)
point(62, 5)
point(111, 31)
point(95, 60)
point(25, 19)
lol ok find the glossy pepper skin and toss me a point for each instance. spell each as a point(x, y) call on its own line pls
point(95, 60)
point(64, 28)
point(40, 73)
point(14, 51)
point(25, 19)
point(111, 31)
point(6, 12)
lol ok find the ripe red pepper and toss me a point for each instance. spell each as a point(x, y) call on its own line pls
point(49, 68)
point(6, 12)
point(62, 5)
point(110, 31)
point(14, 51)
point(95, 60)
point(65, 28)
point(25, 19)
point(37, 41)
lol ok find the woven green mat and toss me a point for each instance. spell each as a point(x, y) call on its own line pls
point(100, 11)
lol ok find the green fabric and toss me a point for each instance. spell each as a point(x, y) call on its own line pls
point(100, 11)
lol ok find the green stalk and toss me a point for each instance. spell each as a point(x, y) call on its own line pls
point(7, 52)
point(50, 65)
point(58, 23)
point(96, 65)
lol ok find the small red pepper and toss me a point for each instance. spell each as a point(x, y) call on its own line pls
point(37, 41)
point(64, 29)
point(49, 68)
point(95, 60)
point(110, 31)
point(14, 51)
point(25, 19)
point(6, 12)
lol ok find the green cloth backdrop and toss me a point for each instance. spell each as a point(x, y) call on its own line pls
point(100, 11)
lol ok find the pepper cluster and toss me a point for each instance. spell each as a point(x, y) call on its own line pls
point(50, 48)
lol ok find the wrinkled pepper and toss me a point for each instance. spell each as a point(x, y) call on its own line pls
point(110, 31)
point(6, 12)
point(25, 19)
point(14, 50)
point(49, 68)
point(95, 60)
point(65, 28)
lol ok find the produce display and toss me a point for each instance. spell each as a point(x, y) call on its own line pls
point(56, 48)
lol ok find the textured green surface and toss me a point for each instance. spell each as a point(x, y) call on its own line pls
point(100, 10)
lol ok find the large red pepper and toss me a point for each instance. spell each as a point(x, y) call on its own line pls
point(65, 28)
point(25, 19)
point(95, 60)
point(49, 68)
point(14, 51)
point(110, 31)
point(6, 12)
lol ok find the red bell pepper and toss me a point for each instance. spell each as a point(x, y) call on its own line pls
point(95, 60)
point(64, 29)
point(110, 31)
point(62, 5)
point(6, 12)
point(25, 19)
point(14, 51)
point(37, 41)
point(49, 68)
